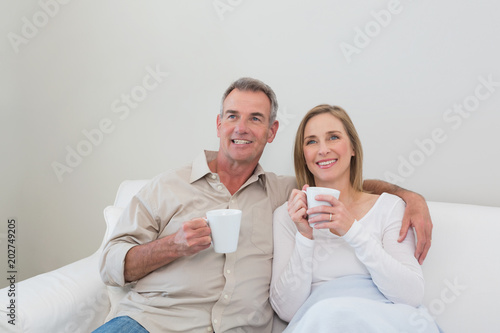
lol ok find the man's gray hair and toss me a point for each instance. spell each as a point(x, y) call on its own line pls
point(249, 84)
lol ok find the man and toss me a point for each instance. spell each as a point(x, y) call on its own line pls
point(161, 243)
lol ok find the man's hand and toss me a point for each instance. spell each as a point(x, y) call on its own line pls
point(192, 237)
point(417, 215)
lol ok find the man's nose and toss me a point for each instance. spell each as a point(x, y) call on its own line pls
point(241, 126)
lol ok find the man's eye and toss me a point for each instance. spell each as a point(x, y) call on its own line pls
point(256, 119)
point(231, 116)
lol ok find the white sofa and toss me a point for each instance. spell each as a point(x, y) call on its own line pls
point(461, 271)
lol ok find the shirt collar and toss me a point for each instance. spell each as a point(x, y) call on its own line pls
point(200, 168)
point(200, 165)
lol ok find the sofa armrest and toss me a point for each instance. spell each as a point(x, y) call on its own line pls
point(69, 299)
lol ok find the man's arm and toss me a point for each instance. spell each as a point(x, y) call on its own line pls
point(416, 214)
point(192, 237)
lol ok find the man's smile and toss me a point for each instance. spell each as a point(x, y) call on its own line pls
point(241, 142)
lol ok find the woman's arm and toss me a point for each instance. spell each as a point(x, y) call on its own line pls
point(416, 214)
point(391, 264)
point(292, 266)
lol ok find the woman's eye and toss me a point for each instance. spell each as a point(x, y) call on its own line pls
point(334, 137)
point(310, 142)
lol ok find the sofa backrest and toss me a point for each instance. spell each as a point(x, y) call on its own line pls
point(462, 267)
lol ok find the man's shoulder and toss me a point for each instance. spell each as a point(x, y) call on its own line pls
point(170, 176)
point(281, 181)
point(279, 188)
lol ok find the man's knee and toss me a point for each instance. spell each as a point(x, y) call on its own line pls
point(123, 324)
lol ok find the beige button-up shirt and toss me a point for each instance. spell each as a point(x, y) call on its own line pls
point(207, 291)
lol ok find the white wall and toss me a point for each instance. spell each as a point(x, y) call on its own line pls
point(66, 68)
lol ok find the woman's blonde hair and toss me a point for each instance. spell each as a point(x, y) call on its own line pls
point(302, 173)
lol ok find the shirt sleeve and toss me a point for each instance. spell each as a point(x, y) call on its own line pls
point(292, 266)
point(392, 265)
point(136, 226)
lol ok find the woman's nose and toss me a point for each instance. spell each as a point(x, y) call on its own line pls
point(323, 148)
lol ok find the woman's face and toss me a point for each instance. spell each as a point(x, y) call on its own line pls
point(327, 150)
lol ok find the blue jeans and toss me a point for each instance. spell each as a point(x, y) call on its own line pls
point(123, 324)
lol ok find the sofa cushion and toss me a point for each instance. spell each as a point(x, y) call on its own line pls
point(461, 269)
point(111, 216)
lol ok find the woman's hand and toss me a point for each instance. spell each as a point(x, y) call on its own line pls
point(336, 218)
point(297, 207)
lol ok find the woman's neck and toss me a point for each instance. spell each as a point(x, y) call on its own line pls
point(348, 195)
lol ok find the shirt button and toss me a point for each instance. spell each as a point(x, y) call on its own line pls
point(215, 321)
point(226, 297)
point(210, 329)
point(228, 271)
point(219, 187)
point(214, 176)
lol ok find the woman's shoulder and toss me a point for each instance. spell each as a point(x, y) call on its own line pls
point(391, 199)
point(384, 203)
point(391, 204)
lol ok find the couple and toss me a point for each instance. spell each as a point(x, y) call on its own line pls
point(160, 245)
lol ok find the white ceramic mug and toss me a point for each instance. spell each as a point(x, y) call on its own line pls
point(312, 192)
point(225, 226)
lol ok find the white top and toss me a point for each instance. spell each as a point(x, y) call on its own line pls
point(370, 247)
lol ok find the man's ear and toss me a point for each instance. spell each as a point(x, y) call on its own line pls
point(218, 125)
point(273, 130)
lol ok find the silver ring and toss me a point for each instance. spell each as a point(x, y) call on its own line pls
point(330, 217)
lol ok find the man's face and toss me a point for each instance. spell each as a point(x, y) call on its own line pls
point(244, 127)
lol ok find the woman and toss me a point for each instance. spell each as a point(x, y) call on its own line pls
point(348, 273)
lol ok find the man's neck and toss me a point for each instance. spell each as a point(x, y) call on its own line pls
point(232, 175)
